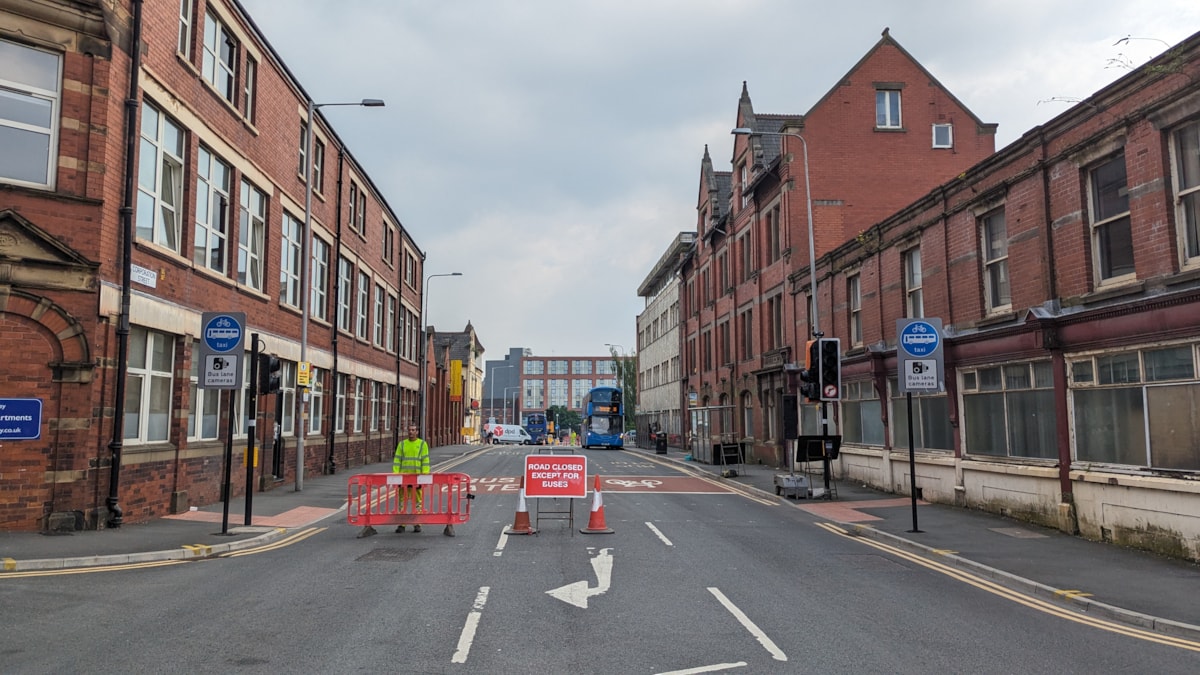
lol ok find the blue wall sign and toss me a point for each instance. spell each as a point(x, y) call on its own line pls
point(20, 419)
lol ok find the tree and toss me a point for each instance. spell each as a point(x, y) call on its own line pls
point(565, 419)
point(627, 381)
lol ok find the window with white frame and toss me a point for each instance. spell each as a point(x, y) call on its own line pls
point(391, 323)
point(606, 367)
point(339, 403)
point(581, 367)
point(854, 307)
point(931, 420)
point(344, 290)
point(361, 213)
point(318, 165)
point(252, 232)
point(887, 109)
point(211, 237)
point(1112, 235)
point(379, 304)
point(319, 280)
point(744, 183)
point(220, 56)
point(249, 85)
point(579, 388)
point(558, 392)
point(160, 179)
point(30, 101)
point(389, 244)
point(204, 405)
point(410, 269)
point(1008, 411)
point(993, 234)
point(375, 401)
point(556, 367)
point(943, 135)
point(352, 205)
point(1187, 189)
point(747, 405)
point(533, 367)
point(289, 261)
point(184, 44)
point(862, 413)
point(535, 397)
point(149, 385)
point(316, 400)
point(1138, 407)
point(364, 299)
point(914, 303)
point(386, 411)
point(287, 389)
point(770, 419)
point(359, 386)
point(303, 151)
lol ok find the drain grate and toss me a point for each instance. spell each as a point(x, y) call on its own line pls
point(389, 555)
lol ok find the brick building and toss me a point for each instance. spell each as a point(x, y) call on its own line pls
point(526, 384)
point(884, 134)
point(143, 187)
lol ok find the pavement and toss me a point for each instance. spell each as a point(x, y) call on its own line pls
point(1099, 579)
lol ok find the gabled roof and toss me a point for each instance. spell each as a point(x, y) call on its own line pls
point(888, 40)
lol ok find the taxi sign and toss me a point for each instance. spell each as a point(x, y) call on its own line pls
point(919, 356)
point(222, 336)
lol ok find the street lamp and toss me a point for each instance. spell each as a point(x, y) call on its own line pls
point(306, 267)
point(425, 346)
point(506, 390)
point(812, 249)
point(492, 396)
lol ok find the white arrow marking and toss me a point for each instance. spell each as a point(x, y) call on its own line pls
point(578, 593)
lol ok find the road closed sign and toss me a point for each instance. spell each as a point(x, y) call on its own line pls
point(556, 476)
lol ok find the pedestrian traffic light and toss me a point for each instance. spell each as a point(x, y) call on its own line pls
point(269, 379)
point(809, 377)
point(829, 369)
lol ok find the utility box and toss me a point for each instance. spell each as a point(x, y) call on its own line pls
point(794, 486)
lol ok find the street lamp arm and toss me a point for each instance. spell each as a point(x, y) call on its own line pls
point(812, 249)
point(423, 390)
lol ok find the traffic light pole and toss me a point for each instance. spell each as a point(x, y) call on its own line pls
point(251, 428)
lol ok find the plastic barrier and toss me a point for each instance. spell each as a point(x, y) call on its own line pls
point(408, 499)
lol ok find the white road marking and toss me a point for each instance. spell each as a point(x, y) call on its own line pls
point(707, 669)
point(501, 543)
point(766, 642)
point(578, 593)
point(658, 534)
point(467, 637)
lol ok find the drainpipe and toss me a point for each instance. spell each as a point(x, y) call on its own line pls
point(330, 464)
point(131, 105)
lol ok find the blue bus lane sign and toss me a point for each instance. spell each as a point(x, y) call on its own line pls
point(20, 419)
point(919, 355)
point(222, 335)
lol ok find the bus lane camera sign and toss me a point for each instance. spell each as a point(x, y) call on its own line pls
point(556, 476)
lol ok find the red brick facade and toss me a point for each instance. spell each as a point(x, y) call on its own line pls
point(63, 295)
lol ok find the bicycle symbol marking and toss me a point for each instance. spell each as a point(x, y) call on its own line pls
point(647, 482)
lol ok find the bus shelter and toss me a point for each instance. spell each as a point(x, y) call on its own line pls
point(713, 435)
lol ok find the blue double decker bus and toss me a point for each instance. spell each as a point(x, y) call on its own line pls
point(535, 424)
point(603, 418)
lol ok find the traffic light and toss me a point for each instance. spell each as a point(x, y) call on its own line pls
point(809, 377)
point(269, 378)
point(829, 369)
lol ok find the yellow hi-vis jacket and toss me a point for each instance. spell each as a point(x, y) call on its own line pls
point(411, 457)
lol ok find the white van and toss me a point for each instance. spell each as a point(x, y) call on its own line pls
point(510, 433)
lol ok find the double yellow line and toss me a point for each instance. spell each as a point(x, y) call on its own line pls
point(1018, 597)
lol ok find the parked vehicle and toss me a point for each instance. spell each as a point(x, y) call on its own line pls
point(513, 434)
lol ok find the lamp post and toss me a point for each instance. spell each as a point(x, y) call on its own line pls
point(506, 390)
point(306, 267)
point(424, 392)
point(812, 273)
point(492, 396)
point(620, 364)
point(812, 249)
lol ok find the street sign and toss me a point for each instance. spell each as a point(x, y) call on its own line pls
point(556, 476)
point(303, 374)
point(222, 335)
point(919, 357)
point(20, 419)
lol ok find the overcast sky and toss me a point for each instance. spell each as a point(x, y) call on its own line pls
point(550, 149)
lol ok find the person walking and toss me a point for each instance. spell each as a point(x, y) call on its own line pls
point(412, 457)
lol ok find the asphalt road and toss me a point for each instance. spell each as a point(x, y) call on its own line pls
point(695, 578)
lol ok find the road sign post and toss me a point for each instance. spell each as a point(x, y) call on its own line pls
point(222, 335)
point(921, 367)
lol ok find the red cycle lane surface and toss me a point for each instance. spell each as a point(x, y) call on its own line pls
point(660, 484)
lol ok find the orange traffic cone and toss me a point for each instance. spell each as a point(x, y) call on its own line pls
point(596, 521)
point(521, 520)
